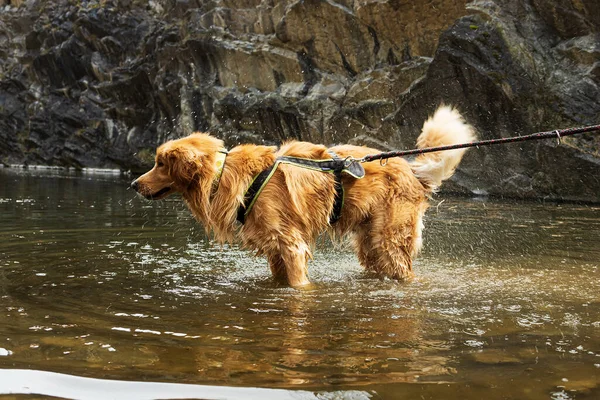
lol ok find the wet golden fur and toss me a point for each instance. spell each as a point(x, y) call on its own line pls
point(382, 212)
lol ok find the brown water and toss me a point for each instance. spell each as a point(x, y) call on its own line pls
point(96, 282)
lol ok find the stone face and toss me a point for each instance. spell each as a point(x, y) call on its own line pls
point(101, 83)
point(408, 29)
point(569, 18)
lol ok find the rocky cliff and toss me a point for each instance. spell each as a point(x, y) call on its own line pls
point(100, 83)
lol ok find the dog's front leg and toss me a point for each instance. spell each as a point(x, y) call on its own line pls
point(295, 259)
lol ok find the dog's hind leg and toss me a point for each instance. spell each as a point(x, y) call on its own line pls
point(388, 240)
point(277, 268)
point(387, 259)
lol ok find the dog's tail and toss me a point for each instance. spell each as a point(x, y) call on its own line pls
point(445, 127)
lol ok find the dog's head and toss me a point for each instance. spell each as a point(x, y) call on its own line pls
point(180, 165)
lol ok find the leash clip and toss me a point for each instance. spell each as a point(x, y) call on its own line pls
point(348, 161)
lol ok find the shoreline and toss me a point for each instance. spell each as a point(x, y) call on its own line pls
point(51, 168)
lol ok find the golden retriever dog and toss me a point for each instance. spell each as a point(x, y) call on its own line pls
point(382, 212)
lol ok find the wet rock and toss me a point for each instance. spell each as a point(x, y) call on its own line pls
point(475, 61)
point(495, 357)
point(583, 49)
point(100, 83)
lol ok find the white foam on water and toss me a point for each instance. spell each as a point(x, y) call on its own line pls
point(22, 381)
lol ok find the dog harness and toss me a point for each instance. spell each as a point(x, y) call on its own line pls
point(335, 166)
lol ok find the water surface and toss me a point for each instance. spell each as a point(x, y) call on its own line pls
point(96, 282)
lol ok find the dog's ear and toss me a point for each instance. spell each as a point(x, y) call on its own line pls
point(184, 165)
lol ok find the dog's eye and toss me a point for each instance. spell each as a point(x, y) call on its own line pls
point(160, 164)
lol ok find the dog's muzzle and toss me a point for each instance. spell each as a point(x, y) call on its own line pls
point(159, 193)
point(136, 186)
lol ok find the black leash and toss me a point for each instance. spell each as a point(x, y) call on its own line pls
point(534, 136)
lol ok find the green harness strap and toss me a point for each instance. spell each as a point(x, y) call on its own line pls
point(335, 165)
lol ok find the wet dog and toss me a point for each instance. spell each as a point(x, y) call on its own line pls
point(382, 212)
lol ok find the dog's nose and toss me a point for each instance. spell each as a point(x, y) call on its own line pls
point(134, 185)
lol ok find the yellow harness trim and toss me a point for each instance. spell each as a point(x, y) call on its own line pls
point(220, 162)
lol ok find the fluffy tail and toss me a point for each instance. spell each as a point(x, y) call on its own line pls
point(446, 127)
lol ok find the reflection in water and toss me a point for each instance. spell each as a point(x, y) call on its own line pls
point(96, 282)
